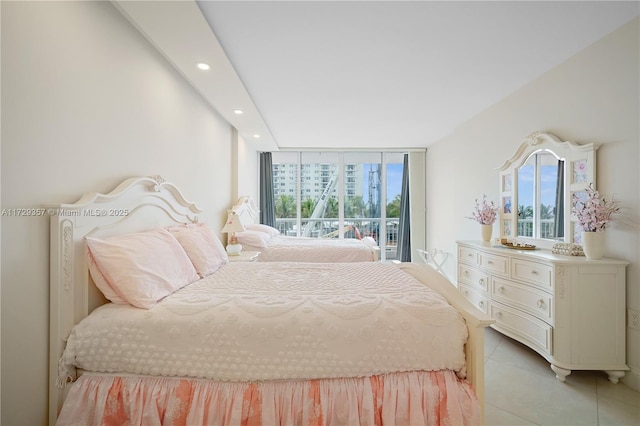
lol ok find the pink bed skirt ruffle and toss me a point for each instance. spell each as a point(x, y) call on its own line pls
point(411, 398)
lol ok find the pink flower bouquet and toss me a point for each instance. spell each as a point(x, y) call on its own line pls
point(485, 213)
point(594, 212)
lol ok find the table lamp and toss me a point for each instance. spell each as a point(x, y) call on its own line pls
point(232, 226)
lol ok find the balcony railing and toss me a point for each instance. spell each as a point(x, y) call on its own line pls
point(547, 228)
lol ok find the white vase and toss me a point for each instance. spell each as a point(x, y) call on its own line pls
point(593, 245)
point(486, 232)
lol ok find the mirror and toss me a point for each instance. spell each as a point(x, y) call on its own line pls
point(536, 188)
point(540, 194)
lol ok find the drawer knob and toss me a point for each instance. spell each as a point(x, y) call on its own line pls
point(489, 262)
point(466, 273)
point(501, 289)
point(481, 304)
point(466, 292)
point(540, 303)
point(534, 272)
point(498, 314)
point(481, 281)
point(469, 254)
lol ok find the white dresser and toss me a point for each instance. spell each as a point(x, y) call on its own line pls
point(568, 309)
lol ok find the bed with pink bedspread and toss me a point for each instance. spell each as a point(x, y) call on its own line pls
point(276, 247)
point(281, 248)
point(187, 338)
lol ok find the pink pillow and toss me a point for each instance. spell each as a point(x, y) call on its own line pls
point(202, 246)
point(143, 268)
point(101, 282)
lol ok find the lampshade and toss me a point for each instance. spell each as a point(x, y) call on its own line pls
point(233, 223)
point(232, 226)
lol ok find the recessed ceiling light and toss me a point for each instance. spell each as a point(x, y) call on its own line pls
point(238, 111)
point(203, 66)
point(256, 136)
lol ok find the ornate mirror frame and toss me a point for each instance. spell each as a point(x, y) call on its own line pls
point(579, 172)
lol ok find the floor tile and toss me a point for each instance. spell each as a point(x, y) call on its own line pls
point(538, 399)
point(515, 354)
point(618, 391)
point(491, 341)
point(494, 416)
point(615, 412)
point(521, 389)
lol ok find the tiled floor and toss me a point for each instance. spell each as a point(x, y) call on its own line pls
point(521, 389)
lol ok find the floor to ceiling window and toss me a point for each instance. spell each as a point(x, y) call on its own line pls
point(339, 195)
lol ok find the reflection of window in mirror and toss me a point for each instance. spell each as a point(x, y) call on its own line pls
point(540, 196)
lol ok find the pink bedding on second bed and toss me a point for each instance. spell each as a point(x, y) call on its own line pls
point(300, 249)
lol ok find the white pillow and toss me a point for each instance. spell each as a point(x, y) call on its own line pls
point(264, 228)
point(144, 267)
point(253, 238)
point(369, 241)
point(202, 246)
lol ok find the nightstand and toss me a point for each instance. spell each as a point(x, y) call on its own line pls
point(245, 256)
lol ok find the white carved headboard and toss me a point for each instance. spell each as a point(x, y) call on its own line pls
point(136, 205)
point(247, 210)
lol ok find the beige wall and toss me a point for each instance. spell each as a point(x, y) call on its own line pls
point(86, 103)
point(592, 97)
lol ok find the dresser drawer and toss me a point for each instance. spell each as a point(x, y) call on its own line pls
point(526, 328)
point(527, 298)
point(474, 277)
point(477, 299)
point(468, 255)
point(494, 264)
point(532, 273)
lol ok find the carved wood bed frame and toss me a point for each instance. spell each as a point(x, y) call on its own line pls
point(145, 203)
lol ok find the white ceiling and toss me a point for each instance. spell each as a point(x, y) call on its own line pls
point(366, 74)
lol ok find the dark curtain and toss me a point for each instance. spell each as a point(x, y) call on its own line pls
point(267, 203)
point(404, 226)
point(559, 216)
